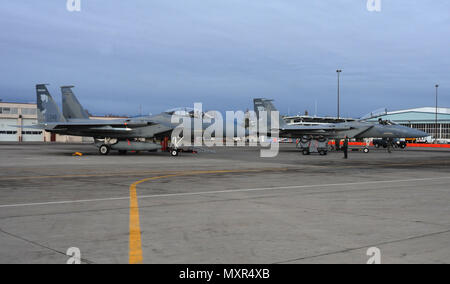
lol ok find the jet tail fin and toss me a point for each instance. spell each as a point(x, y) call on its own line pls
point(72, 109)
point(48, 111)
point(267, 106)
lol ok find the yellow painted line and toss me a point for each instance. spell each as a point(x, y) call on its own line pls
point(135, 238)
point(135, 242)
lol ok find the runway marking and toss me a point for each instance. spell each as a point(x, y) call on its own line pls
point(67, 202)
point(135, 243)
point(135, 238)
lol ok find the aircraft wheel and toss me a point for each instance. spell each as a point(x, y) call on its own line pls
point(104, 150)
point(366, 150)
point(403, 146)
point(323, 153)
point(174, 153)
point(377, 145)
point(305, 152)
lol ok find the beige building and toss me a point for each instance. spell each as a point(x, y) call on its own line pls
point(14, 119)
point(15, 122)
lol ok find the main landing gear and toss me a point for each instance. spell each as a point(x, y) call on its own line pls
point(104, 149)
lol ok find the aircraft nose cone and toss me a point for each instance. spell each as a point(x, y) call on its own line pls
point(420, 134)
point(415, 133)
point(407, 132)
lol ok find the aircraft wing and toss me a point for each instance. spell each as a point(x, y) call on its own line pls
point(299, 130)
point(100, 122)
point(97, 125)
point(323, 130)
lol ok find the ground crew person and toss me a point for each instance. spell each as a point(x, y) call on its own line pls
point(338, 144)
point(345, 148)
point(389, 145)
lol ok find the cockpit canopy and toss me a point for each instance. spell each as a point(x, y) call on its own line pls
point(386, 122)
point(188, 112)
point(379, 113)
point(376, 113)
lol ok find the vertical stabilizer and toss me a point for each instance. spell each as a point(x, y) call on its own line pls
point(267, 106)
point(72, 109)
point(48, 111)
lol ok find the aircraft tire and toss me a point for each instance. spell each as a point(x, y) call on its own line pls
point(305, 152)
point(174, 153)
point(104, 150)
point(366, 150)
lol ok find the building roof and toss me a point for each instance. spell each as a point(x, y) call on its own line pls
point(416, 115)
point(423, 110)
point(13, 103)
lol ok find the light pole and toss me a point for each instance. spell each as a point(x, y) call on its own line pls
point(339, 94)
point(437, 131)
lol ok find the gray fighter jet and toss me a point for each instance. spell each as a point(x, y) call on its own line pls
point(121, 135)
point(353, 129)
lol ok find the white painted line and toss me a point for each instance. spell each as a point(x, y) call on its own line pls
point(222, 191)
point(288, 187)
point(64, 202)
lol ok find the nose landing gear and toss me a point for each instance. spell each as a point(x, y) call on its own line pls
point(174, 153)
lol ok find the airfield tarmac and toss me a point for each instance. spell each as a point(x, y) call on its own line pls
point(227, 206)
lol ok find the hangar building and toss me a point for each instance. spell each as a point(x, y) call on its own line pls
point(14, 119)
point(423, 119)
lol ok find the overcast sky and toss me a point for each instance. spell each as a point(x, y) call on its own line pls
point(168, 53)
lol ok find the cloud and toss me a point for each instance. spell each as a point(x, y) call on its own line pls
point(225, 52)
